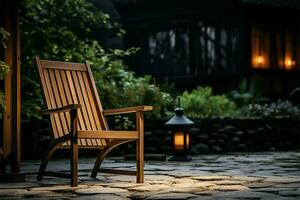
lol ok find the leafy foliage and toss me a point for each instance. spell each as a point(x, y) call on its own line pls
point(60, 30)
point(241, 96)
point(4, 68)
point(275, 109)
point(202, 103)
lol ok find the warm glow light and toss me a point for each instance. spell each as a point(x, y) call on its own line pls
point(187, 140)
point(179, 140)
point(259, 60)
point(289, 63)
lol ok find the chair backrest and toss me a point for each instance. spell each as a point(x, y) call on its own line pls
point(67, 83)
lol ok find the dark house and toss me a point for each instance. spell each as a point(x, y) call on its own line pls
point(216, 42)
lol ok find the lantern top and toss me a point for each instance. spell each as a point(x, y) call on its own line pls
point(179, 119)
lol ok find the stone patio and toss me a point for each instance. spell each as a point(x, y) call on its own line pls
point(267, 175)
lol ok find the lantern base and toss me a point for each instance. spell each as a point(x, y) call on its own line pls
point(180, 158)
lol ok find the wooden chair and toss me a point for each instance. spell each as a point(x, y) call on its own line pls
point(78, 120)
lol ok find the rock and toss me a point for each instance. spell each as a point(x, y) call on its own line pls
point(203, 137)
point(159, 133)
point(235, 140)
point(220, 142)
point(99, 190)
point(154, 141)
point(165, 149)
point(194, 131)
point(210, 178)
point(229, 187)
point(268, 127)
point(272, 149)
point(260, 130)
point(215, 135)
point(194, 151)
point(229, 129)
point(148, 133)
point(216, 149)
point(251, 132)
point(239, 133)
point(202, 148)
point(246, 194)
point(149, 149)
point(170, 196)
point(212, 141)
point(280, 179)
point(256, 185)
point(100, 197)
point(149, 188)
point(242, 147)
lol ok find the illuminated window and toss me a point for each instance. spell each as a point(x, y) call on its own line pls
point(274, 46)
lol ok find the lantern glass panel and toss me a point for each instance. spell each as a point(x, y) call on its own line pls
point(179, 141)
point(187, 138)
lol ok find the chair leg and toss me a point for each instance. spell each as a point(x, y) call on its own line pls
point(99, 161)
point(45, 160)
point(140, 148)
point(74, 164)
point(103, 153)
point(139, 161)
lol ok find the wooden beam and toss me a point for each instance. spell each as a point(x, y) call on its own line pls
point(7, 139)
point(12, 115)
point(16, 91)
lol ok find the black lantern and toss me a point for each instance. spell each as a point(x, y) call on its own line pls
point(180, 124)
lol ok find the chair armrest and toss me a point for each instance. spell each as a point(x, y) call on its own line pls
point(61, 109)
point(127, 110)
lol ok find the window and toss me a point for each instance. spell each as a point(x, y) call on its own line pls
point(216, 49)
point(169, 52)
point(274, 46)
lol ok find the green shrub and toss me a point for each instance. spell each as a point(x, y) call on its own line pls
point(61, 30)
point(275, 109)
point(202, 103)
point(4, 68)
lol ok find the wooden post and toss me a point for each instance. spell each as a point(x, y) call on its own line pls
point(12, 84)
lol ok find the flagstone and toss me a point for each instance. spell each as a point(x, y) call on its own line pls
point(229, 187)
point(171, 196)
point(145, 188)
point(99, 190)
point(210, 178)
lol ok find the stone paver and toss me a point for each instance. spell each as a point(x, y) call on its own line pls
point(255, 176)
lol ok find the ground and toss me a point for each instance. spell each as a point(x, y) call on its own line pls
point(255, 176)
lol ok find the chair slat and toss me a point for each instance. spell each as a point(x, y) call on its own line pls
point(90, 98)
point(58, 101)
point(48, 101)
point(90, 116)
point(83, 106)
point(96, 97)
point(85, 98)
point(63, 97)
point(72, 92)
point(57, 123)
point(88, 106)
